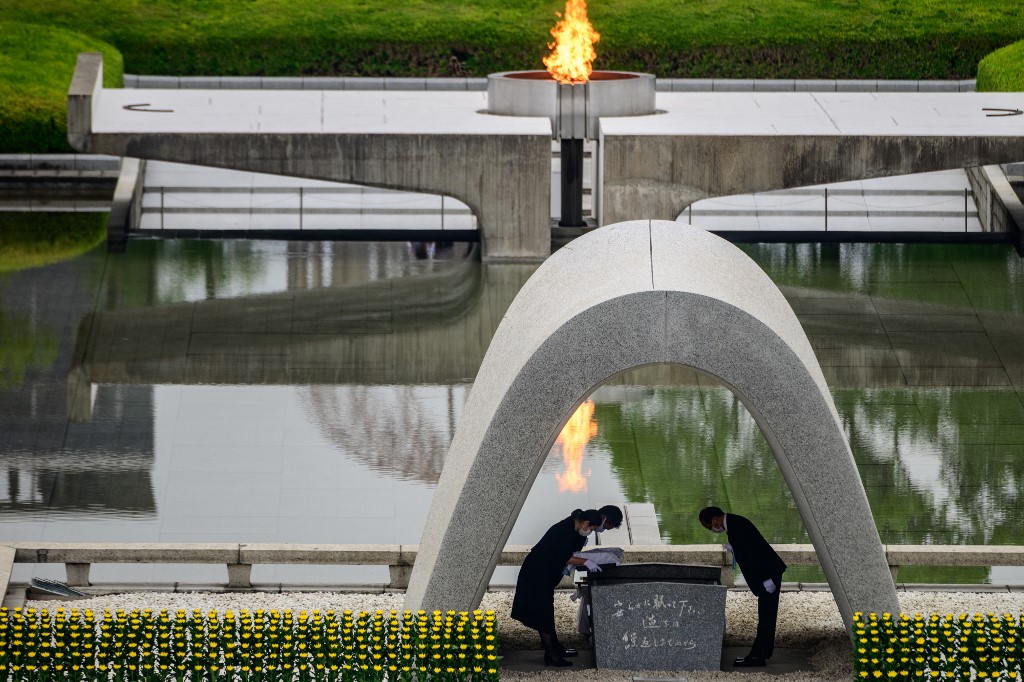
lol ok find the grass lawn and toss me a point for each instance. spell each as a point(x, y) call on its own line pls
point(681, 38)
point(29, 240)
point(36, 63)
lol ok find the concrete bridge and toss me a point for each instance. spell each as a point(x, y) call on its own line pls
point(704, 144)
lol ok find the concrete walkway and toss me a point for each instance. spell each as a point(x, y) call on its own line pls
point(119, 111)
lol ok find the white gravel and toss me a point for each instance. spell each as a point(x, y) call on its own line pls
point(807, 620)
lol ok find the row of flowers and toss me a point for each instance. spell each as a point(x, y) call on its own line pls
point(36, 644)
point(937, 647)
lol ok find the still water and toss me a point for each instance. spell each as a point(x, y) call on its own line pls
point(307, 392)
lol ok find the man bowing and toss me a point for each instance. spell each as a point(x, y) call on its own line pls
point(762, 569)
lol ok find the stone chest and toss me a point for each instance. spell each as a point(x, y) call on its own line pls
point(657, 617)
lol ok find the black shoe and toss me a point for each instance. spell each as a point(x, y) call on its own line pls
point(749, 662)
point(556, 661)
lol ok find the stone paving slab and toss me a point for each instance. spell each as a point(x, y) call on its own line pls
point(307, 111)
point(824, 113)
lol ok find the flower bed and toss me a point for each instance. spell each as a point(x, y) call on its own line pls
point(938, 647)
point(38, 645)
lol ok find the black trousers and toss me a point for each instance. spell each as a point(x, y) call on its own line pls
point(767, 616)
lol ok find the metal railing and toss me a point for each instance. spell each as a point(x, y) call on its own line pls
point(240, 558)
point(842, 207)
point(281, 201)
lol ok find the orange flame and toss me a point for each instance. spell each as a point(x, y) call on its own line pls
point(573, 49)
point(574, 437)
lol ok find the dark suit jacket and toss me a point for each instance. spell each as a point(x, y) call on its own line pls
point(533, 605)
point(755, 557)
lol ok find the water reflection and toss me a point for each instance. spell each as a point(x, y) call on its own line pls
point(573, 440)
point(25, 349)
point(426, 327)
point(101, 468)
point(255, 391)
point(683, 447)
point(396, 431)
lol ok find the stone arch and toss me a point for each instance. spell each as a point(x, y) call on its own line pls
point(632, 294)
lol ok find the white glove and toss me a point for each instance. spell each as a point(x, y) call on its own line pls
point(727, 547)
point(769, 586)
point(592, 566)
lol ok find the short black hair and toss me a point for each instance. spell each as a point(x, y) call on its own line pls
point(708, 513)
point(612, 514)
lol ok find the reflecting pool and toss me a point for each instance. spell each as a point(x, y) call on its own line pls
point(307, 392)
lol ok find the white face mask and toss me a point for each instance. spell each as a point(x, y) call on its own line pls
point(717, 530)
point(600, 529)
point(585, 532)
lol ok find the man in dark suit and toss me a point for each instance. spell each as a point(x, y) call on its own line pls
point(762, 568)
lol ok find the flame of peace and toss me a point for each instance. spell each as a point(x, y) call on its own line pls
point(572, 53)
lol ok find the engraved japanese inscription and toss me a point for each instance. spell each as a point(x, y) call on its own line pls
point(658, 626)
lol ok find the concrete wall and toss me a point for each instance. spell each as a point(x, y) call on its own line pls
point(126, 207)
point(999, 207)
point(657, 176)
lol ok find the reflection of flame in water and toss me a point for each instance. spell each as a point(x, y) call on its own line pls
point(573, 50)
point(574, 437)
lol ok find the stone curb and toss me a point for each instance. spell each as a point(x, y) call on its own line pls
point(68, 162)
point(480, 84)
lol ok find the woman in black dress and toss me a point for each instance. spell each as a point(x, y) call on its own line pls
point(534, 603)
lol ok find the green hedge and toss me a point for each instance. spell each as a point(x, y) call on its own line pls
point(720, 38)
point(36, 64)
point(33, 239)
point(1003, 70)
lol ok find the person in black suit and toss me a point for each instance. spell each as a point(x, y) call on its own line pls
point(762, 568)
point(534, 602)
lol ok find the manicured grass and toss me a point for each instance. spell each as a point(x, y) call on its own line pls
point(36, 64)
point(693, 38)
point(1003, 70)
point(29, 240)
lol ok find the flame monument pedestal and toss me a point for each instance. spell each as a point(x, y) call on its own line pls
point(574, 111)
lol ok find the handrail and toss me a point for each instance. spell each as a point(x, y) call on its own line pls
point(866, 212)
point(239, 558)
